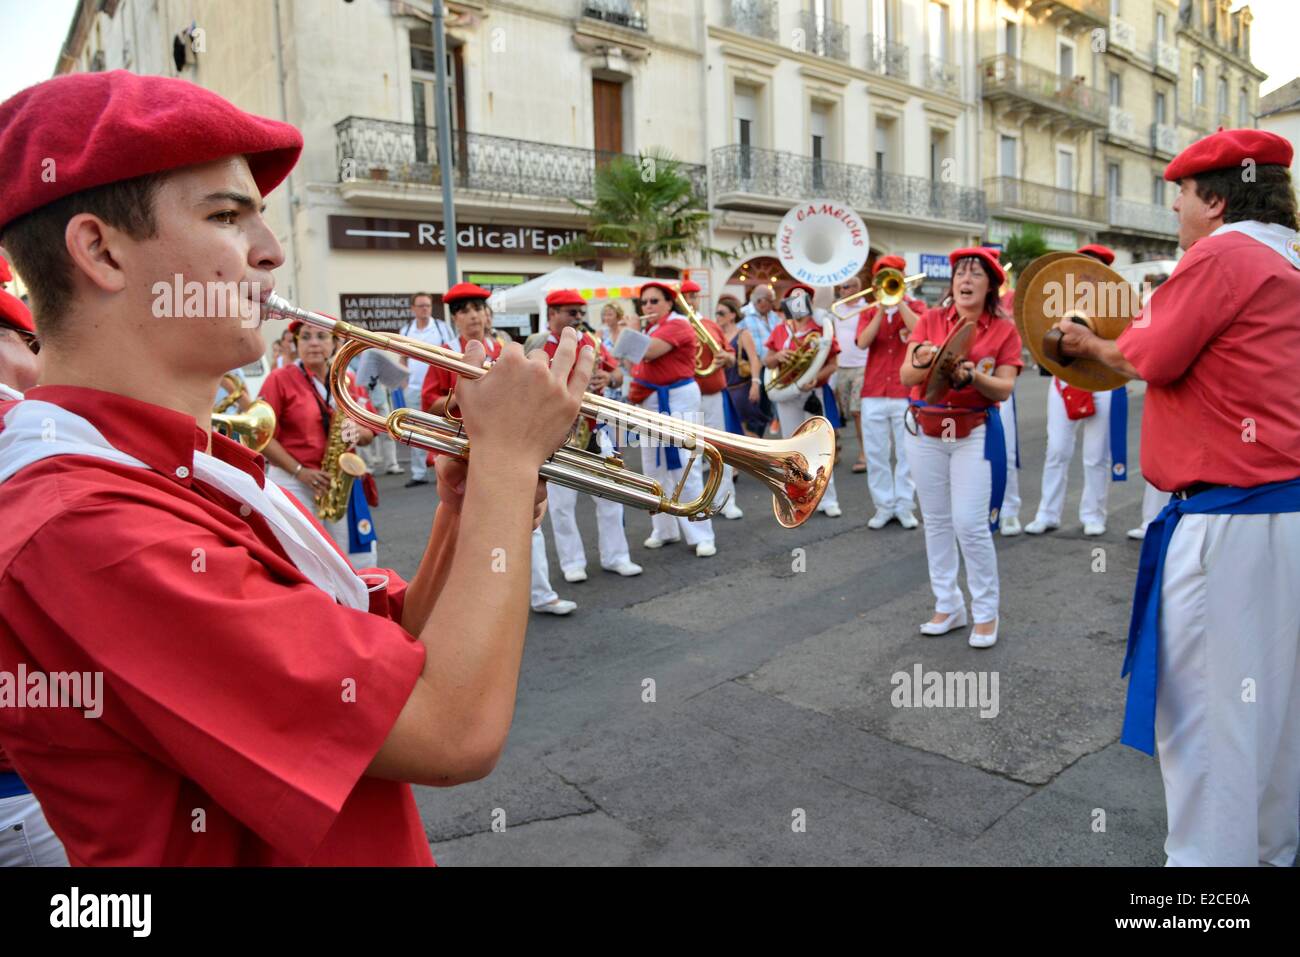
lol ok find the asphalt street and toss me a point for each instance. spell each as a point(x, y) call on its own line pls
point(776, 731)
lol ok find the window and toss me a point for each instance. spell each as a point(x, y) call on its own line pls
point(1162, 28)
point(1008, 38)
point(1198, 85)
point(1114, 8)
point(607, 115)
point(1221, 100)
point(820, 127)
point(1065, 60)
point(424, 86)
point(938, 153)
point(1116, 90)
point(1065, 181)
point(1157, 190)
point(1112, 180)
point(745, 106)
point(1007, 156)
point(884, 159)
point(938, 28)
point(1160, 108)
point(1243, 109)
point(882, 24)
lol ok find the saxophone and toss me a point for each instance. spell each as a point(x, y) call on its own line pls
point(342, 467)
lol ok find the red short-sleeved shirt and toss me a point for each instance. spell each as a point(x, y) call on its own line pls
point(676, 364)
point(607, 361)
point(782, 338)
point(438, 382)
point(996, 343)
point(299, 426)
point(886, 353)
point(224, 668)
point(715, 381)
point(1218, 346)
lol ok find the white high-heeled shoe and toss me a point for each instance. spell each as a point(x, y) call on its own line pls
point(956, 620)
point(984, 641)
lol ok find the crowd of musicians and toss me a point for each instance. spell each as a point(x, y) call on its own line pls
point(123, 506)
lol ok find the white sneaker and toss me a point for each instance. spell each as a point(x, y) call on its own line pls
point(561, 606)
point(906, 518)
point(1011, 526)
point(1093, 529)
point(705, 550)
point(1137, 534)
point(832, 511)
point(655, 542)
point(576, 575)
point(627, 568)
point(956, 620)
point(396, 470)
point(732, 511)
point(1038, 526)
point(977, 640)
point(880, 519)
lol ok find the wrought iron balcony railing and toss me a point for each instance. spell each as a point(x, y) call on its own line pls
point(371, 149)
point(1006, 193)
point(941, 75)
point(823, 36)
point(886, 57)
point(1143, 217)
point(755, 17)
point(1164, 139)
point(1005, 76)
point(1122, 35)
point(1165, 57)
point(1122, 124)
point(788, 177)
point(623, 13)
point(1071, 12)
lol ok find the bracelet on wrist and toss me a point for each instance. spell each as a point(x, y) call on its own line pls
point(297, 470)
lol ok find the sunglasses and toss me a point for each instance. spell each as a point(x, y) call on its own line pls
point(651, 302)
point(28, 339)
point(573, 312)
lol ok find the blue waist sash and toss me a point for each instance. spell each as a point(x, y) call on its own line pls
point(361, 527)
point(670, 455)
point(1140, 659)
point(829, 406)
point(398, 397)
point(1119, 434)
point(995, 451)
point(1015, 426)
point(11, 785)
point(729, 414)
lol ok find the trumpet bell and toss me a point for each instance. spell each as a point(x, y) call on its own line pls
point(254, 428)
point(796, 470)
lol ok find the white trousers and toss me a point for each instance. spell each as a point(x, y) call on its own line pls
point(882, 428)
point(792, 415)
point(954, 483)
point(380, 454)
point(337, 530)
point(541, 591)
point(25, 836)
point(685, 402)
point(713, 416)
point(1228, 706)
point(1153, 500)
point(1060, 450)
point(563, 503)
point(1011, 497)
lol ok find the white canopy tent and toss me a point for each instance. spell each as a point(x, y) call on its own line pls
point(595, 287)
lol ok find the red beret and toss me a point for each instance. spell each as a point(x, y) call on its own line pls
point(988, 255)
point(889, 262)
point(1097, 250)
point(100, 128)
point(669, 290)
point(5, 274)
point(690, 285)
point(564, 297)
point(464, 290)
point(1228, 148)
point(14, 313)
point(799, 285)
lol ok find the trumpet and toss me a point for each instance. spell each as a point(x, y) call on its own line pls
point(888, 287)
point(796, 470)
point(254, 428)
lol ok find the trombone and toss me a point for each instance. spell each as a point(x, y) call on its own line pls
point(708, 344)
point(888, 287)
point(796, 470)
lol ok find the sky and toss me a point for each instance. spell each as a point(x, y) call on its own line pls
point(34, 31)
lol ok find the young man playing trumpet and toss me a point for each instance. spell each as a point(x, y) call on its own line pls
point(251, 678)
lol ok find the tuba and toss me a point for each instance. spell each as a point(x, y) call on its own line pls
point(796, 469)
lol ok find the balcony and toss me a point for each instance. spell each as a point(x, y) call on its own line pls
point(1122, 37)
point(1122, 125)
point(940, 75)
point(1164, 139)
point(755, 17)
point(1027, 93)
point(1021, 199)
point(383, 151)
point(824, 37)
point(622, 13)
point(748, 178)
point(1199, 117)
point(1165, 58)
point(1071, 15)
point(1145, 218)
point(886, 57)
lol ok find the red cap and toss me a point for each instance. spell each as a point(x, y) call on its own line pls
point(564, 297)
point(690, 285)
point(669, 290)
point(1229, 148)
point(799, 285)
point(82, 130)
point(5, 274)
point(889, 262)
point(1098, 251)
point(989, 257)
point(464, 290)
point(14, 313)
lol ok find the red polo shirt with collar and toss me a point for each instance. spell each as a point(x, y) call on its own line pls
point(438, 382)
point(996, 343)
point(673, 366)
point(885, 354)
point(224, 668)
point(783, 338)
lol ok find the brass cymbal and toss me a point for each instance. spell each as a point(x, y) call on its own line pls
point(951, 353)
point(1026, 274)
point(1081, 288)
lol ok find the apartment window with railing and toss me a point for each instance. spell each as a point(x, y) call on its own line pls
point(624, 13)
point(1198, 85)
point(1116, 88)
point(424, 91)
point(1162, 28)
point(938, 15)
point(1160, 108)
point(745, 107)
point(819, 148)
point(1065, 60)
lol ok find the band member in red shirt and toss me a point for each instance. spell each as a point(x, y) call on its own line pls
point(1216, 617)
point(883, 331)
point(467, 304)
point(664, 381)
point(263, 702)
point(957, 455)
point(716, 411)
point(801, 323)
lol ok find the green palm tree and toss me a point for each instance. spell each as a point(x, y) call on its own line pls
point(646, 208)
